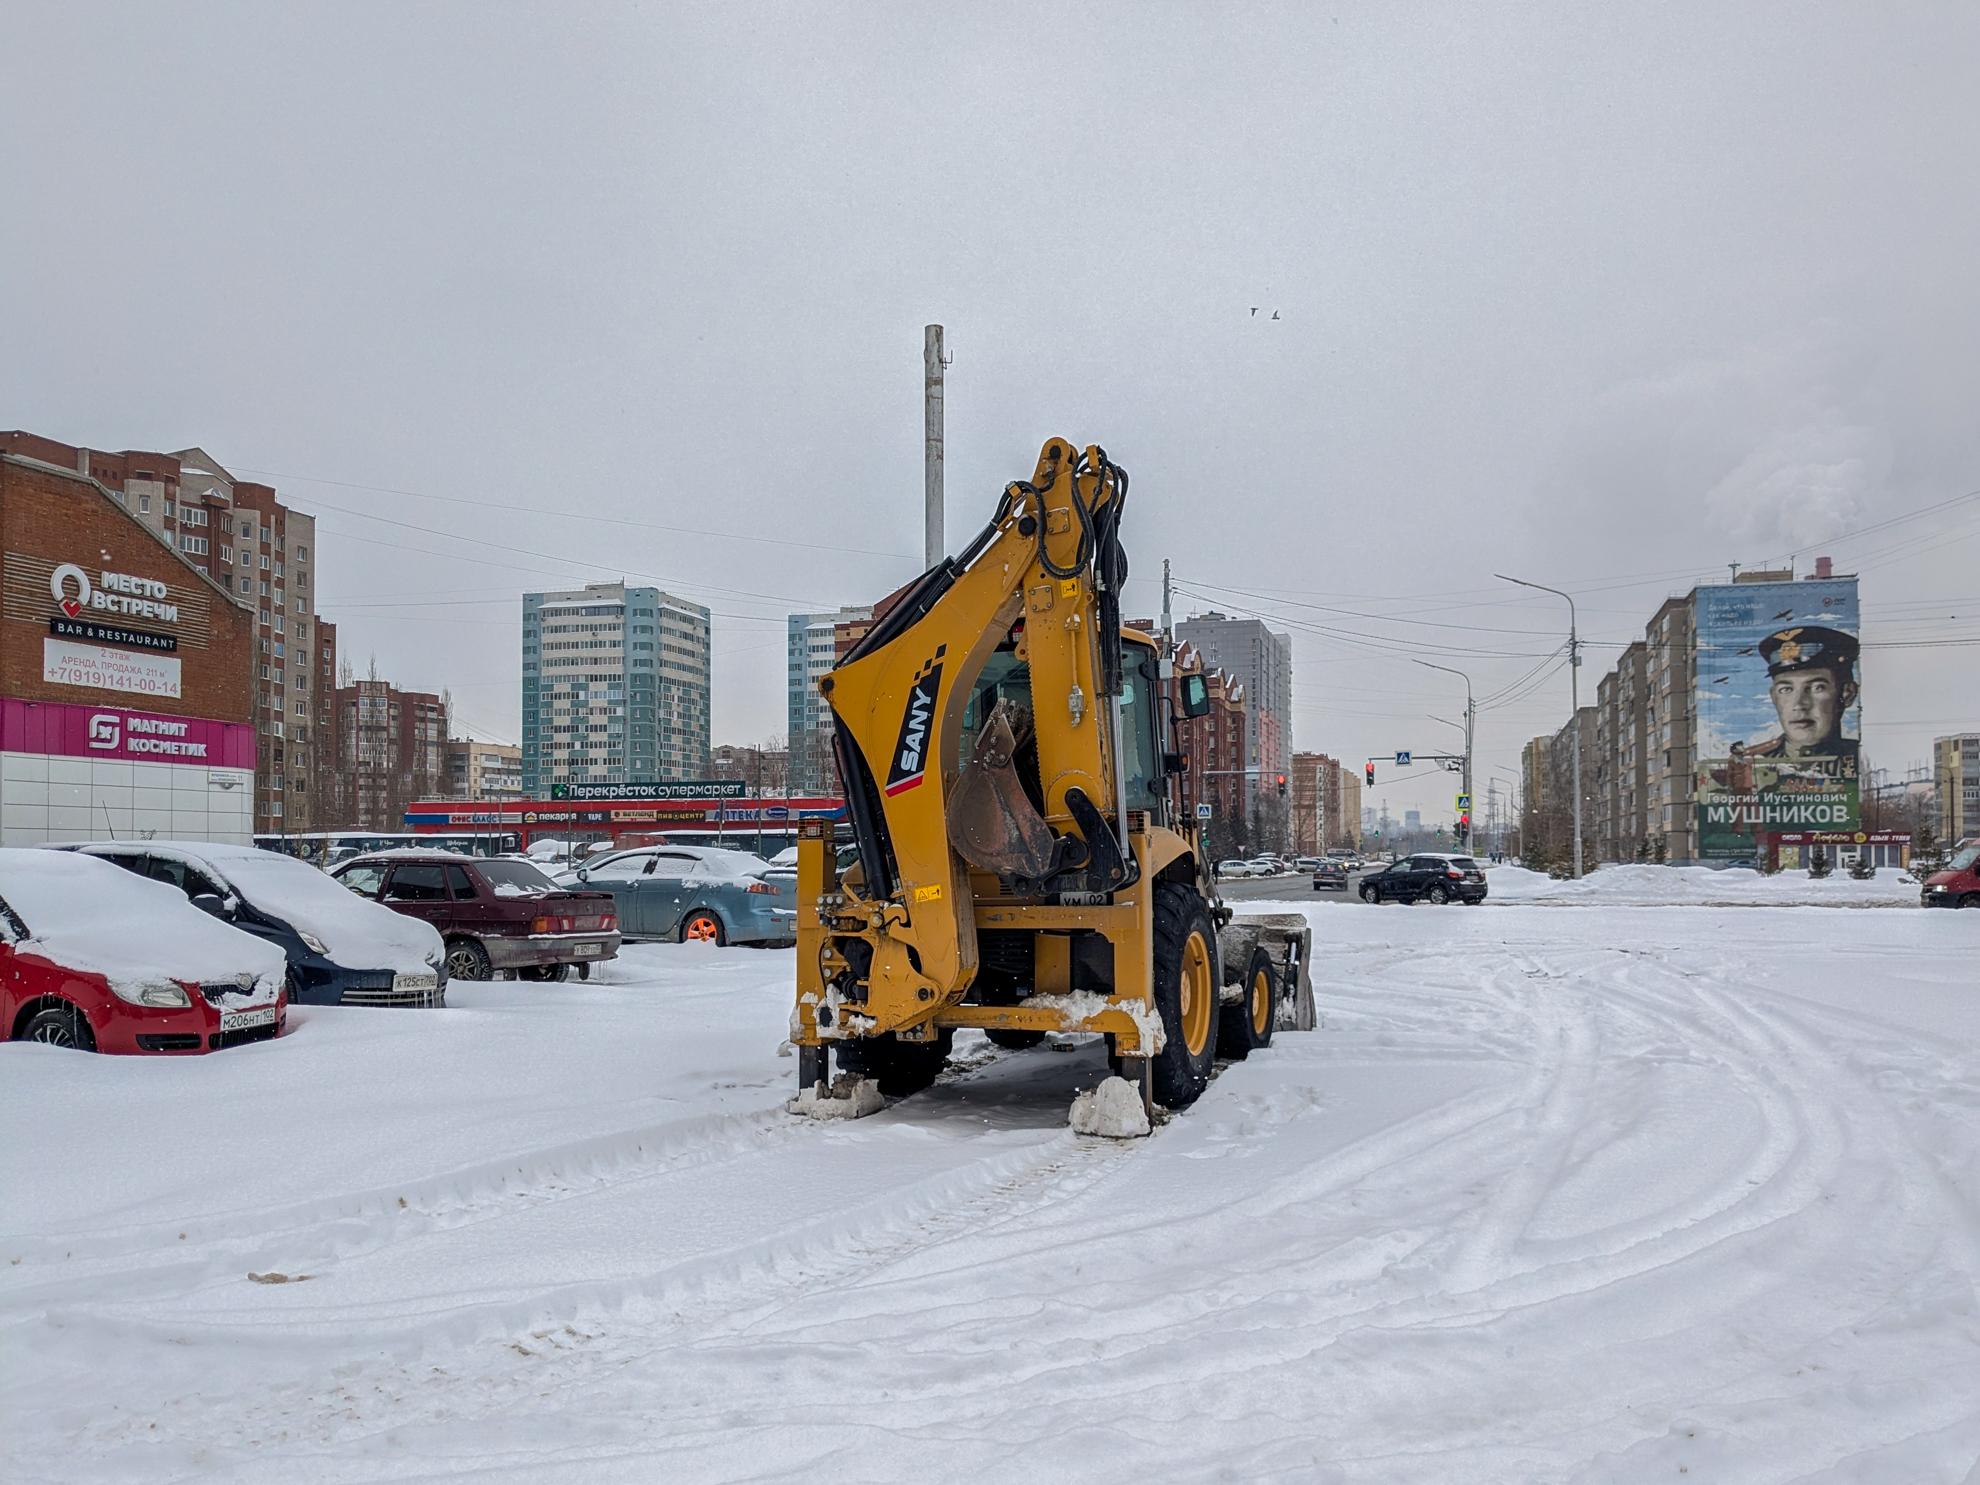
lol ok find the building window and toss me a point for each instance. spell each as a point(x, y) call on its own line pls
point(227, 555)
point(302, 553)
point(144, 502)
point(302, 708)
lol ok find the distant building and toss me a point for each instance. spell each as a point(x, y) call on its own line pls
point(394, 751)
point(1259, 661)
point(483, 770)
point(1214, 746)
point(1956, 780)
point(615, 684)
point(1326, 804)
point(765, 770)
point(812, 648)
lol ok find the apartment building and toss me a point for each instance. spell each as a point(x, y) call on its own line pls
point(1956, 786)
point(483, 770)
point(812, 648)
point(263, 553)
point(615, 684)
point(1326, 804)
point(394, 751)
point(1260, 662)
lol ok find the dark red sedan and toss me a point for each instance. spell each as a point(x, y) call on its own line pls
point(94, 958)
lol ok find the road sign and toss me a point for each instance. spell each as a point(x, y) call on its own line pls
point(1402, 760)
point(1203, 812)
point(1464, 801)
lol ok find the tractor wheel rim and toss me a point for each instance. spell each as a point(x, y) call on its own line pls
point(701, 929)
point(1196, 995)
point(1261, 1002)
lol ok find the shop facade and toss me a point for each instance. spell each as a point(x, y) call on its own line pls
point(126, 681)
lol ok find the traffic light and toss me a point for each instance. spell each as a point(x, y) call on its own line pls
point(1464, 826)
point(1371, 775)
point(1282, 785)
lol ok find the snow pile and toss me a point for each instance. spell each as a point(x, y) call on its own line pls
point(850, 1097)
point(86, 914)
point(1111, 1111)
point(1640, 885)
point(355, 931)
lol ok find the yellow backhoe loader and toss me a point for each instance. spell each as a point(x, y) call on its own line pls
point(1022, 868)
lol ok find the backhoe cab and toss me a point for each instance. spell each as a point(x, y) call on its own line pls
point(1022, 868)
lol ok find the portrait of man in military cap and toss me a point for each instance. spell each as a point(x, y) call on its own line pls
point(1811, 679)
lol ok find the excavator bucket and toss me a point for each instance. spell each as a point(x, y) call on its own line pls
point(991, 823)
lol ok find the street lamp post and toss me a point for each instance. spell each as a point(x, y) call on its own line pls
point(1574, 691)
point(1470, 717)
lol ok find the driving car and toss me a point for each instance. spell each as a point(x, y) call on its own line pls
point(96, 959)
point(1427, 876)
point(495, 916)
point(695, 894)
point(1958, 886)
point(341, 949)
point(1329, 876)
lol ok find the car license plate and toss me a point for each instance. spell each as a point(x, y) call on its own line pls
point(415, 982)
point(243, 1020)
point(585, 950)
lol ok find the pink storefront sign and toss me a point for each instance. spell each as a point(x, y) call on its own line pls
point(117, 734)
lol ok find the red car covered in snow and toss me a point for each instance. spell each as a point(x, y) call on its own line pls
point(94, 958)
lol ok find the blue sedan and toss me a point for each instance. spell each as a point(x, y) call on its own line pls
point(695, 894)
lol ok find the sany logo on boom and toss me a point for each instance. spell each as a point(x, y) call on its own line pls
point(910, 764)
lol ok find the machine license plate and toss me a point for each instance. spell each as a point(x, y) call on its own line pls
point(243, 1020)
point(415, 982)
point(585, 950)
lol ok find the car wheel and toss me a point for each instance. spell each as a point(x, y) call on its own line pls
point(1438, 896)
point(703, 927)
point(1972, 900)
point(1369, 895)
point(467, 960)
point(60, 1026)
point(550, 973)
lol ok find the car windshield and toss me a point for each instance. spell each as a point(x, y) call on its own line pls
point(517, 876)
point(1964, 860)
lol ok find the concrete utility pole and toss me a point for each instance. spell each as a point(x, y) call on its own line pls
point(932, 362)
point(1574, 691)
point(1168, 625)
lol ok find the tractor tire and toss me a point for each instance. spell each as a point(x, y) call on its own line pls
point(1186, 985)
point(1437, 896)
point(899, 1067)
point(60, 1026)
point(1013, 1040)
point(1247, 1025)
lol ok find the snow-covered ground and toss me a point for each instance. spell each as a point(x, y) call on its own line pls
point(1636, 885)
point(1612, 1194)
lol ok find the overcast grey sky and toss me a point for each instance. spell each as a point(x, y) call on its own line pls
point(1604, 296)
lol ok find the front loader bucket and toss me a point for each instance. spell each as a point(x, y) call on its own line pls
point(1288, 939)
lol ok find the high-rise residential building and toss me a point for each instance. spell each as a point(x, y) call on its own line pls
point(1260, 661)
point(264, 554)
point(394, 751)
point(1733, 720)
point(1956, 780)
point(483, 770)
point(811, 649)
point(615, 687)
point(1326, 804)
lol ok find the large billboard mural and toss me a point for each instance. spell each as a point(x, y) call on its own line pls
point(1779, 728)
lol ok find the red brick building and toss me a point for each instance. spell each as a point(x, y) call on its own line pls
point(127, 698)
point(392, 751)
point(263, 554)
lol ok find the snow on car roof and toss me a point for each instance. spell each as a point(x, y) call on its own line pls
point(356, 933)
point(90, 915)
point(409, 853)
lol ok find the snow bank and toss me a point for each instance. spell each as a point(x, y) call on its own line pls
point(1638, 885)
point(1112, 1111)
point(90, 915)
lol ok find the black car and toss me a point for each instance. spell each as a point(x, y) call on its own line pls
point(1427, 878)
